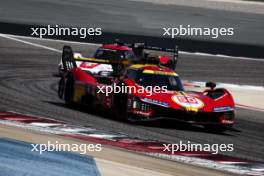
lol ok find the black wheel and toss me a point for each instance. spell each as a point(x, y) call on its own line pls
point(120, 107)
point(61, 87)
point(230, 115)
point(69, 89)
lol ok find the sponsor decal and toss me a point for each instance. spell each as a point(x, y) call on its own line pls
point(187, 101)
point(156, 102)
point(223, 109)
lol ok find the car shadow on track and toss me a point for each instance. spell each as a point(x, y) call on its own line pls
point(162, 124)
point(183, 126)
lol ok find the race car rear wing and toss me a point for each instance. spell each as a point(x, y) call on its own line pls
point(146, 58)
point(138, 49)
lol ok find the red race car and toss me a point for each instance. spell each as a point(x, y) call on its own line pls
point(120, 55)
point(146, 92)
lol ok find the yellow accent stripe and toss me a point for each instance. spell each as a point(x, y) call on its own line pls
point(192, 109)
point(91, 59)
point(136, 66)
point(159, 72)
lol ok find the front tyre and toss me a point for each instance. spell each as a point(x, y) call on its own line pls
point(226, 121)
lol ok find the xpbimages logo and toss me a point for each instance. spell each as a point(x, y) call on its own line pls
point(65, 31)
point(189, 30)
point(194, 147)
point(149, 90)
point(57, 147)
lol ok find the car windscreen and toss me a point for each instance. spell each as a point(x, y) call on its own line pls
point(171, 82)
point(114, 54)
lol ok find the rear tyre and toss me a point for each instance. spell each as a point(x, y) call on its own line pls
point(120, 107)
point(69, 89)
point(61, 87)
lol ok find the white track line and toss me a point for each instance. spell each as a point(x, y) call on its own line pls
point(220, 56)
point(249, 107)
point(52, 40)
point(93, 44)
point(232, 168)
point(30, 43)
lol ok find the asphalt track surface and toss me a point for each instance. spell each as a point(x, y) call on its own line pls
point(148, 19)
point(133, 17)
point(27, 85)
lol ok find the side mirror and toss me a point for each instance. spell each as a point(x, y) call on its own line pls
point(210, 84)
